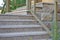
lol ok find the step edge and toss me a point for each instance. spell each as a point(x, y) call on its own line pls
point(17, 20)
point(19, 26)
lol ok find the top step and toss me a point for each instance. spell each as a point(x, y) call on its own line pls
point(14, 15)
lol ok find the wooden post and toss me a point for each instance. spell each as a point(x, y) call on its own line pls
point(34, 6)
point(8, 5)
point(55, 27)
point(27, 4)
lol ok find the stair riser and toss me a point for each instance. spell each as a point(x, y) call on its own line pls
point(18, 22)
point(20, 30)
point(26, 38)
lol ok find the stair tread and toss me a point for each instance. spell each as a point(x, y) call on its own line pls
point(19, 26)
point(14, 34)
point(43, 39)
point(17, 20)
point(14, 15)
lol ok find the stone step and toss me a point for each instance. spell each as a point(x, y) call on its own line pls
point(19, 26)
point(27, 29)
point(43, 39)
point(19, 22)
point(25, 38)
point(18, 12)
point(17, 34)
point(19, 38)
point(16, 17)
point(13, 20)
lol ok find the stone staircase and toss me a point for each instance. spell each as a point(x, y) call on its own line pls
point(21, 27)
point(14, 26)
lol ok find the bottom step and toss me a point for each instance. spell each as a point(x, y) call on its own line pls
point(17, 34)
point(22, 39)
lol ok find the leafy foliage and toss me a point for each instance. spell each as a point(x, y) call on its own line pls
point(14, 4)
point(17, 3)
